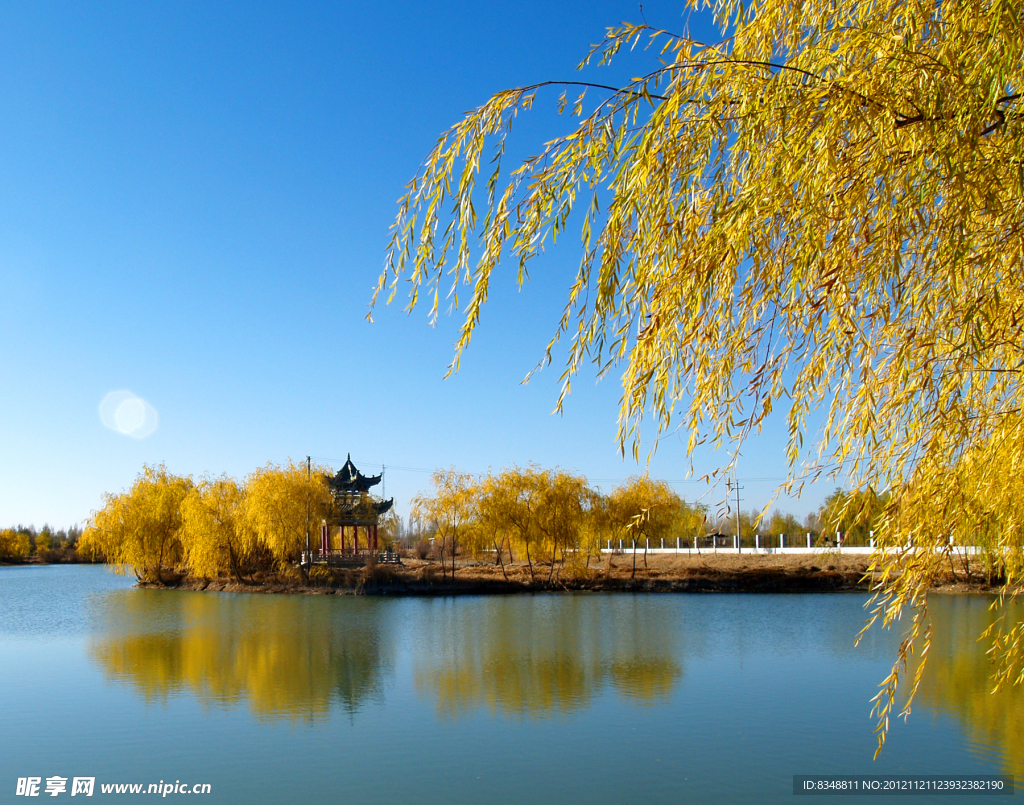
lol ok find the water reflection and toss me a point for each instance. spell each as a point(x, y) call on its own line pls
point(287, 657)
point(957, 680)
point(540, 656)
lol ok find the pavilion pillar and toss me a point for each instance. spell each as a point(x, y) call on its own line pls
point(374, 527)
point(355, 531)
point(341, 539)
point(325, 543)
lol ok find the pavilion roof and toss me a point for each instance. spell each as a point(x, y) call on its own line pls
point(349, 480)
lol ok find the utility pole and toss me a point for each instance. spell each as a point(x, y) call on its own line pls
point(309, 553)
point(739, 542)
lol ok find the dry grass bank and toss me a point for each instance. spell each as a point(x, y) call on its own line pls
point(696, 573)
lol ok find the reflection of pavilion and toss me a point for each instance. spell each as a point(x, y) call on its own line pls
point(354, 509)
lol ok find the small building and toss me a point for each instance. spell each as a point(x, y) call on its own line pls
point(716, 540)
point(354, 512)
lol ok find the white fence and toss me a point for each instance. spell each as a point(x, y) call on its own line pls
point(782, 545)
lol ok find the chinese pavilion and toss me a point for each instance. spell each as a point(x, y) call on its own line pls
point(354, 509)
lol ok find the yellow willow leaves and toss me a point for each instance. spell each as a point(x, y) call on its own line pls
point(533, 511)
point(213, 535)
point(450, 510)
point(531, 514)
point(141, 528)
point(822, 212)
point(643, 508)
point(508, 504)
point(855, 515)
point(216, 527)
point(281, 503)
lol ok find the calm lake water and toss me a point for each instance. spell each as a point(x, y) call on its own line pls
point(528, 699)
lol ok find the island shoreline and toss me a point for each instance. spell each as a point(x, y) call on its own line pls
point(707, 574)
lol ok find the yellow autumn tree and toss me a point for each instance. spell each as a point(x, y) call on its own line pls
point(492, 525)
point(854, 514)
point(283, 504)
point(779, 525)
point(515, 499)
point(14, 546)
point(819, 213)
point(563, 506)
point(213, 534)
point(451, 508)
point(140, 528)
point(643, 509)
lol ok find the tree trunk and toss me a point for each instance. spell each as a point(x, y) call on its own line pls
point(234, 564)
point(498, 549)
point(160, 565)
point(967, 565)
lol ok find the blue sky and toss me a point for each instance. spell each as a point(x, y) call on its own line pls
point(195, 208)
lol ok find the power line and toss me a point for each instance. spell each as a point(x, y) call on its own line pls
point(773, 479)
point(332, 460)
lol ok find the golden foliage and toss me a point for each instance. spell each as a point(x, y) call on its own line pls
point(450, 510)
point(214, 539)
point(854, 514)
point(532, 513)
point(536, 510)
point(510, 502)
point(823, 212)
point(643, 509)
point(140, 528)
point(565, 501)
point(282, 504)
point(217, 527)
point(14, 546)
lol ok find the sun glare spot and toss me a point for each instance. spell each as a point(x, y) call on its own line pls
point(125, 413)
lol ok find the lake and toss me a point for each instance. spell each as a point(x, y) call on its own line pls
point(595, 698)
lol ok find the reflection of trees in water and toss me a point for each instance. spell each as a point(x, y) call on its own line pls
point(957, 678)
point(288, 657)
point(538, 656)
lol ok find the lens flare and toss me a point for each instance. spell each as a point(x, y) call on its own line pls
point(125, 413)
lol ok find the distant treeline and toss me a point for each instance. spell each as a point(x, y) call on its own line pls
point(26, 543)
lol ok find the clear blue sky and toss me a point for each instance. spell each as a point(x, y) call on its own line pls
point(195, 208)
